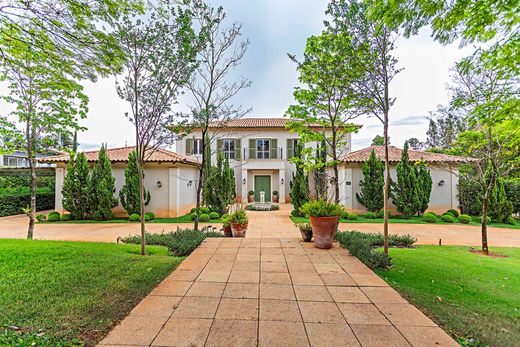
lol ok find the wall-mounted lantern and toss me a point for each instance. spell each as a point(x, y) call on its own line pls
point(441, 182)
point(281, 181)
point(159, 184)
point(244, 181)
point(190, 182)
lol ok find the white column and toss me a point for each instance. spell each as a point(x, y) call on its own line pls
point(348, 187)
point(244, 186)
point(173, 192)
point(281, 186)
point(60, 176)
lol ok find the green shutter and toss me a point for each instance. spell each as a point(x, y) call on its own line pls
point(290, 148)
point(238, 149)
point(252, 148)
point(273, 143)
point(189, 146)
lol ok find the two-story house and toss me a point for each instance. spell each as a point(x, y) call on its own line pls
point(259, 150)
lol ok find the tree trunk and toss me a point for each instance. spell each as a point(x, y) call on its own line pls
point(336, 182)
point(387, 184)
point(485, 205)
point(31, 136)
point(141, 202)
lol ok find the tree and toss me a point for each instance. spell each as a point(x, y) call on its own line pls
point(211, 86)
point(300, 184)
point(500, 208)
point(406, 192)
point(161, 54)
point(324, 106)
point(379, 140)
point(372, 196)
point(424, 183)
point(445, 126)
point(228, 179)
point(320, 171)
point(372, 45)
point(101, 188)
point(129, 195)
point(75, 187)
point(415, 144)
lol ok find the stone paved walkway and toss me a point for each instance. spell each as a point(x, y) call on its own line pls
point(274, 292)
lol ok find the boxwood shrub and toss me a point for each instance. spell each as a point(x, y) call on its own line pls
point(204, 210)
point(429, 218)
point(464, 218)
point(214, 215)
point(455, 213)
point(204, 217)
point(344, 214)
point(151, 215)
point(370, 215)
point(352, 216)
point(53, 217)
point(134, 217)
point(66, 217)
point(448, 218)
point(380, 214)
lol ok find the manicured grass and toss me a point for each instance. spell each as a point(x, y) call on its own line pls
point(468, 294)
point(182, 219)
point(412, 220)
point(72, 290)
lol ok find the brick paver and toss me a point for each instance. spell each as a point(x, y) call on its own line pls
point(274, 291)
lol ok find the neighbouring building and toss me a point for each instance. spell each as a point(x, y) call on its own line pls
point(443, 170)
point(170, 178)
point(259, 150)
point(18, 159)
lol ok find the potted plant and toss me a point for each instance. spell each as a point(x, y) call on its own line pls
point(275, 196)
point(305, 230)
point(324, 218)
point(251, 196)
point(226, 225)
point(238, 221)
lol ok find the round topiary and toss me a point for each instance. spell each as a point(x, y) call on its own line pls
point(488, 220)
point(204, 210)
point(193, 210)
point(455, 213)
point(344, 215)
point(134, 217)
point(214, 215)
point(511, 220)
point(151, 215)
point(66, 217)
point(56, 213)
point(448, 218)
point(464, 219)
point(193, 215)
point(429, 218)
point(53, 217)
point(204, 217)
point(352, 216)
point(41, 217)
point(147, 218)
point(448, 214)
point(370, 215)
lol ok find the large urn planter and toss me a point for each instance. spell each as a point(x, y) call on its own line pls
point(227, 231)
point(239, 230)
point(238, 221)
point(323, 230)
point(275, 197)
point(251, 196)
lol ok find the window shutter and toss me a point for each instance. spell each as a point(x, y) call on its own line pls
point(273, 143)
point(189, 146)
point(252, 148)
point(290, 149)
point(238, 149)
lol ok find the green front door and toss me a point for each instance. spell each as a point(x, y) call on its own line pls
point(263, 184)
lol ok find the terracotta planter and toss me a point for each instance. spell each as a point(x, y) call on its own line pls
point(275, 198)
point(306, 235)
point(250, 198)
point(227, 231)
point(324, 229)
point(239, 230)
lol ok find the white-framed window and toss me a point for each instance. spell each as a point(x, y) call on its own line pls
point(197, 146)
point(228, 147)
point(263, 149)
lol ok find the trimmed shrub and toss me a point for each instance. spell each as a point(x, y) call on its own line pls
point(455, 213)
point(41, 217)
point(193, 210)
point(380, 214)
point(448, 218)
point(448, 214)
point(464, 219)
point(352, 216)
point(11, 203)
point(184, 241)
point(488, 220)
point(214, 215)
point(295, 213)
point(204, 217)
point(134, 217)
point(66, 217)
point(344, 215)
point(321, 208)
point(52, 213)
point(429, 218)
point(147, 218)
point(53, 217)
point(204, 210)
point(370, 215)
point(360, 245)
point(151, 215)
point(511, 221)
point(193, 216)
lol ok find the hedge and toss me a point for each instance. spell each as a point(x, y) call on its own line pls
point(12, 203)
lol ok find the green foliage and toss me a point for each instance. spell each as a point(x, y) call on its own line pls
point(455, 213)
point(66, 217)
point(448, 214)
point(75, 187)
point(251, 192)
point(300, 184)
point(214, 215)
point(512, 188)
point(41, 217)
point(352, 216)
point(219, 185)
point(226, 220)
point(470, 196)
point(320, 170)
point(448, 218)
point(204, 210)
point(150, 215)
point(11, 203)
point(424, 183)
point(129, 193)
point(406, 192)
point(147, 218)
point(184, 241)
point(134, 217)
point(500, 209)
point(370, 215)
point(53, 217)
point(321, 208)
point(381, 214)
point(193, 216)
point(270, 207)
point(464, 219)
point(488, 219)
point(378, 140)
point(511, 221)
point(373, 183)
point(239, 217)
point(429, 218)
point(101, 188)
point(344, 214)
point(194, 209)
point(204, 217)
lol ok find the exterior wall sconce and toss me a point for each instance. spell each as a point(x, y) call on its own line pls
point(281, 181)
point(244, 181)
point(441, 182)
point(159, 184)
point(190, 182)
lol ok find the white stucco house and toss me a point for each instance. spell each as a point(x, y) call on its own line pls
point(170, 178)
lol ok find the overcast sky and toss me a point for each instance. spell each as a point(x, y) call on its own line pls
point(275, 28)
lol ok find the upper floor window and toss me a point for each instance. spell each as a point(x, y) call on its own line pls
point(193, 146)
point(263, 149)
point(292, 145)
point(228, 147)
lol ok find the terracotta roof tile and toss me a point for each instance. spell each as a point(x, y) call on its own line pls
point(121, 155)
point(254, 123)
point(394, 155)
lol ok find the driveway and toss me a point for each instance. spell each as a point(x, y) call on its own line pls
point(261, 225)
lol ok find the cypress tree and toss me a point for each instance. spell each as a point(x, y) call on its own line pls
point(75, 187)
point(300, 186)
point(372, 186)
point(129, 193)
point(101, 188)
point(229, 184)
point(424, 181)
point(320, 175)
point(500, 209)
point(406, 194)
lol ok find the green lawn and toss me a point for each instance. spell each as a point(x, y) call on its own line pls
point(182, 219)
point(468, 294)
point(72, 291)
point(412, 220)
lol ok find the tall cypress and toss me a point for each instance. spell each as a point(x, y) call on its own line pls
point(229, 183)
point(320, 174)
point(75, 187)
point(500, 208)
point(300, 185)
point(129, 193)
point(424, 181)
point(406, 193)
point(372, 185)
point(101, 188)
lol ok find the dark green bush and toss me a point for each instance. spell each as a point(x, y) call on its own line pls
point(204, 217)
point(513, 194)
point(193, 210)
point(295, 213)
point(370, 215)
point(352, 216)
point(41, 217)
point(511, 221)
point(66, 217)
point(380, 214)
point(11, 203)
point(184, 241)
point(470, 196)
point(455, 213)
point(193, 216)
point(344, 214)
point(134, 217)
point(464, 219)
point(429, 218)
point(214, 215)
point(151, 215)
point(52, 217)
point(488, 220)
point(204, 210)
point(53, 213)
point(448, 218)
point(147, 218)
